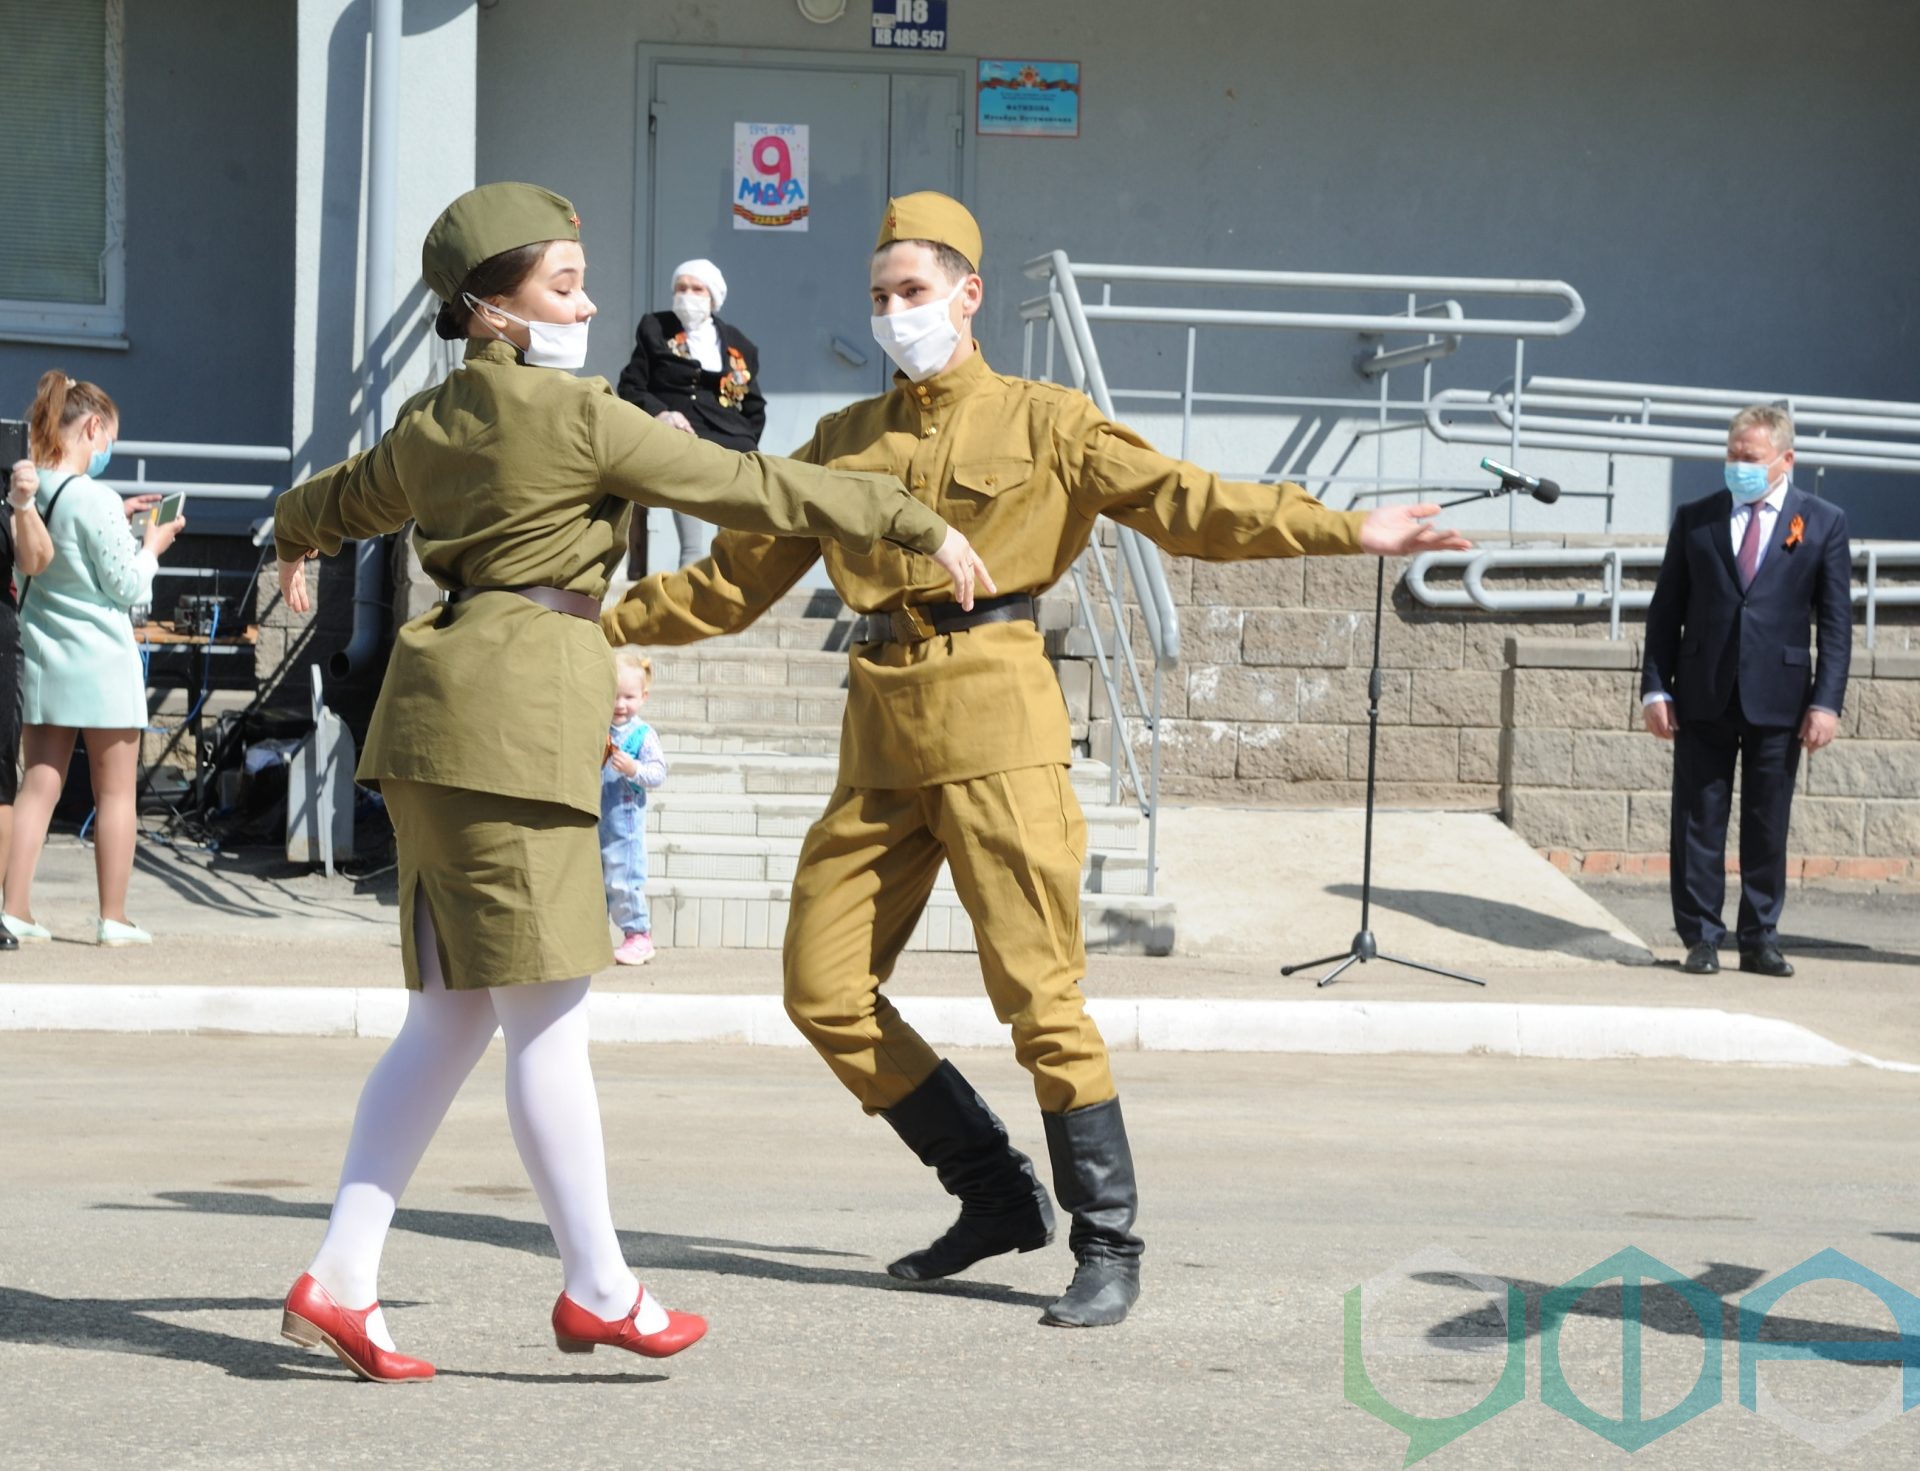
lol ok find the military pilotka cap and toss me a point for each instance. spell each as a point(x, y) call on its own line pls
point(490, 221)
point(930, 216)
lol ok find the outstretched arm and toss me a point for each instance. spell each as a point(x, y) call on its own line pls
point(641, 459)
point(354, 500)
point(1193, 512)
point(742, 577)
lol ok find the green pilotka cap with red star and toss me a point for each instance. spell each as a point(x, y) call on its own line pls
point(490, 221)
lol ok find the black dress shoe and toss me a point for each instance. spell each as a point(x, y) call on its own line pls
point(1766, 961)
point(1702, 960)
point(7, 941)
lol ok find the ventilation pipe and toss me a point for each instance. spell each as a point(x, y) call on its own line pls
point(383, 187)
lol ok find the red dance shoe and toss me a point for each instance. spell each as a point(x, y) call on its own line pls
point(312, 1317)
point(577, 1331)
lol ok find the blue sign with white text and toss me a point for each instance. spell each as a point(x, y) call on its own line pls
point(910, 25)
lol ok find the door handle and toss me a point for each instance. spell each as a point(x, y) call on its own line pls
point(847, 352)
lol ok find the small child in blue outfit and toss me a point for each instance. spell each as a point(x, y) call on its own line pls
point(634, 766)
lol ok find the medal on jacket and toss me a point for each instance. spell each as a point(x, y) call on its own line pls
point(733, 385)
point(681, 347)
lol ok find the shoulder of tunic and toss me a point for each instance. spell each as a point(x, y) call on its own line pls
point(1060, 397)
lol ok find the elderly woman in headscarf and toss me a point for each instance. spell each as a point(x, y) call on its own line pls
point(697, 373)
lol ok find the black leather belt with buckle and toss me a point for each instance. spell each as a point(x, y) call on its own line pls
point(916, 625)
point(579, 604)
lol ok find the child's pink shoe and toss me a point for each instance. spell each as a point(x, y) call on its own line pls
point(636, 949)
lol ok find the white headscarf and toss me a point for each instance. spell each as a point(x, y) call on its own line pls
point(708, 275)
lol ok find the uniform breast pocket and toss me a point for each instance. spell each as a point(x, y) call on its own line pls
point(974, 485)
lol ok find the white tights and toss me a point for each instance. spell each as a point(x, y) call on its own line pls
point(550, 1103)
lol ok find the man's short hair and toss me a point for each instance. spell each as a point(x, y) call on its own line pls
point(953, 265)
point(1771, 417)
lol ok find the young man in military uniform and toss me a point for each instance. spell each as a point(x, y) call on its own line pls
point(956, 743)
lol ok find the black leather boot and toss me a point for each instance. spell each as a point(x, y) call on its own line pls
point(1003, 1205)
point(1093, 1176)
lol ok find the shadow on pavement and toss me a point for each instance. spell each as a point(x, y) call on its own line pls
point(644, 1249)
point(1663, 1310)
point(1850, 950)
point(1508, 924)
point(121, 1325)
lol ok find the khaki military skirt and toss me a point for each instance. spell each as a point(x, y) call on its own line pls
point(513, 885)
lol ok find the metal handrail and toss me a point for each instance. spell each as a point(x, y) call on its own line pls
point(1450, 325)
point(1068, 319)
point(1041, 266)
point(142, 450)
point(1622, 419)
point(1613, 594)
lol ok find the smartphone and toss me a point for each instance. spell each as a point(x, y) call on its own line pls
point(13, 443)
point(169, 508)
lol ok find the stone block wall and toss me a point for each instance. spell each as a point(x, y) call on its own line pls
point(1582, 780)
point(1269, 701)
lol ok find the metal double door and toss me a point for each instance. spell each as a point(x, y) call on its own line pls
point(799, 295)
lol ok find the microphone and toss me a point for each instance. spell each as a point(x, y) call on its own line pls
point(1541, 489)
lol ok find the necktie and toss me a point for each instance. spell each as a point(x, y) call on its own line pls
point(1749, 559)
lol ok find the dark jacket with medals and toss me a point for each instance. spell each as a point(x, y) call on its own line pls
point(725, 408)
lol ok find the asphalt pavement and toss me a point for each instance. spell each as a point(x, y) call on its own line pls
point(162, 1193)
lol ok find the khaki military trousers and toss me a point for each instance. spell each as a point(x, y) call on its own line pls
point(1015, 842)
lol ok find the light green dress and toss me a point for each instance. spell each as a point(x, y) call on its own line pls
point(78, 663)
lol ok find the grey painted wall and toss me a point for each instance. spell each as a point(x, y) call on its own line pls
point(209, 231)
point(1731, 184)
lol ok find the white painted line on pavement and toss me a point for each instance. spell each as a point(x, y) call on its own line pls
point(1150, 1024)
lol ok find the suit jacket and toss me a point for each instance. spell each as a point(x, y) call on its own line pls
point(658, 379)
point(1705, 636)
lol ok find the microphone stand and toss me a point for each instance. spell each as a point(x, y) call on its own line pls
point(1364, 947)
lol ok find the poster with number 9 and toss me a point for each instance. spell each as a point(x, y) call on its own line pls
point(770, 177)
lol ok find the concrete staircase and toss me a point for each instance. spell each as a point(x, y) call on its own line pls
point(751, 725)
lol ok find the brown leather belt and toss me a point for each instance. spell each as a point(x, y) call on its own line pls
point(579, 604)
point(916, 625)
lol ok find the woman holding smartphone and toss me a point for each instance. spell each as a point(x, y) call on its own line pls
point(79, 669)
point(490, 728)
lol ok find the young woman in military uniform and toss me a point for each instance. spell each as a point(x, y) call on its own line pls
point(956, 744)
point(491, 723)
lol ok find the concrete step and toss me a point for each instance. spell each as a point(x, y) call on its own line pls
point(744, 704)
point(724, 856)
point(737, 739)
point(720, 662)
point(752, 915)
point(1110, 829)
point(743, 738)
point(770, 773)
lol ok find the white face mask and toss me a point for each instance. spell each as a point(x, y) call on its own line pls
point(549, 344)
point(693, 308)
point(920, 339)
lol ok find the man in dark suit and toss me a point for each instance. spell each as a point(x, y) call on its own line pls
point(695, 372)
point(1728, 676)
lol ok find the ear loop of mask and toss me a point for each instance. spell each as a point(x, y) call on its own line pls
point(475, 304)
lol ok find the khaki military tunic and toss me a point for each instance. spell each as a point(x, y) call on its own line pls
point(1023, 468)
point(495, 711)
point(957, 747)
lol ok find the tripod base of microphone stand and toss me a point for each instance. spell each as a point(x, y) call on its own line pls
point(1365, 948)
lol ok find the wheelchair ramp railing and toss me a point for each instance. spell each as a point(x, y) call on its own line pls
point(1426, 319)
point(1668, 421)
point(1429, 584)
